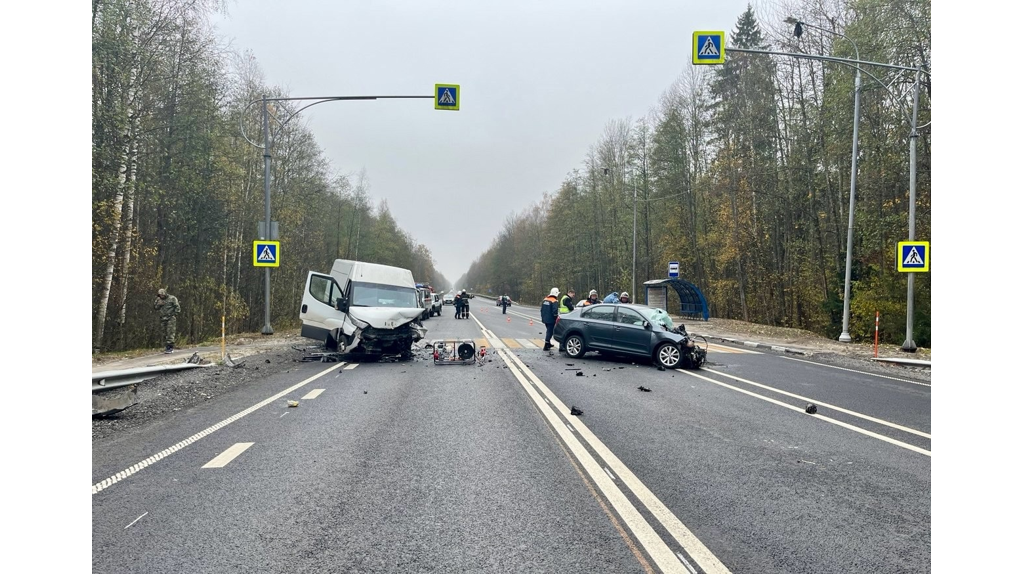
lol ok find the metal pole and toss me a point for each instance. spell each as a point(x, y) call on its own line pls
point(844, 337)
point(634, 238)
point(267, 330)
point(908, 344)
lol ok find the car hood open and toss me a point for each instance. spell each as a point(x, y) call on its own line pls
point(380, 317)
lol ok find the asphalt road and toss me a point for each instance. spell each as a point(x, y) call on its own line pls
point(412, 467)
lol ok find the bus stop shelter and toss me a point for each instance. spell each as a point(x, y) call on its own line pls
point(693, 305)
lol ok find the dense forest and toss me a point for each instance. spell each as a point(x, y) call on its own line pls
point(742, 174)
point(177, 192)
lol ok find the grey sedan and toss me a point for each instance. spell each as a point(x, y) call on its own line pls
point(635, 330)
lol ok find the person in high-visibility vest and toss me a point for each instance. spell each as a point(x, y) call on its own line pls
point(565, 303)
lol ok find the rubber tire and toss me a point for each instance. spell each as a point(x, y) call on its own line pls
point(568, 346)
point(678, 356)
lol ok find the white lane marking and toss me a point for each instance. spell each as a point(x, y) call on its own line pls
point(222, 459)
point(352, 366)
point(610, 475)
point(282, 416)
point(570, 427)
point(860, 372)
point(687, 539)
point(136, 520)
point(666, 560)
point(526, 344)
point(824, 404)
point(313, 394)
point(686, 563)
point(107, 482)
point(816, 417)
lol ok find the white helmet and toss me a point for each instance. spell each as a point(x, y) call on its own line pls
point(554, 292)
point(623, 294)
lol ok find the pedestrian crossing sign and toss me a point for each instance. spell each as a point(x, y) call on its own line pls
point(446, 97)
point(266, 253)
point(912, 256)
point(709, 47)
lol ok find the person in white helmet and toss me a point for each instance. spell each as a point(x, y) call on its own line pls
point(591, 299)
point(624, 297)
point(548, 315)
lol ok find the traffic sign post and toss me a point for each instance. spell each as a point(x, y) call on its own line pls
point(446, 97)
point(266, 253)
point(912, 256)
point(673, 269)
point(709, 47)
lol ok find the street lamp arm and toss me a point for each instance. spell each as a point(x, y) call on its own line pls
point(241, 124)
point(827, 31)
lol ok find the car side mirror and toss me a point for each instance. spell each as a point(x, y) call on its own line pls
point(647, 325)
point(341, 304)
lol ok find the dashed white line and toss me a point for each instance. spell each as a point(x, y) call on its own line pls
point(222, 459)
point(570, 427)
point(352, 366)
point(313, 394)
point(108, 482)
point(610, 475)
point(282, 416)
point(136, 520)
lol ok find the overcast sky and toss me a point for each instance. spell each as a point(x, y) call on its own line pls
point(539, 80)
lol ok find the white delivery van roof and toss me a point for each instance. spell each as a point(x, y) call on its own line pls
point(345, 270)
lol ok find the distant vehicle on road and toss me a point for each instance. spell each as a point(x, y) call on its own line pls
point(634, 330)
point(436, 304)
point(449, 298)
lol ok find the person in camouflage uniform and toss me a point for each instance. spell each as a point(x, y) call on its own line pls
point(169, 308)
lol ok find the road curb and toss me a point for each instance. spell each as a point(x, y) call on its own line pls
point(758, 345)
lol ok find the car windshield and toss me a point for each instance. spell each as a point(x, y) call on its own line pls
point(377, 295)
point(657, 317)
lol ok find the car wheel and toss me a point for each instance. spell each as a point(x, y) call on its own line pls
point(668, 355)
point(574, 346)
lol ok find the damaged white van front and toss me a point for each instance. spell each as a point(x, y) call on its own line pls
point(362, 308)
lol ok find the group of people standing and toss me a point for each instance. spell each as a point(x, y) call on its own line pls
point(462, 304)
point(556, 304)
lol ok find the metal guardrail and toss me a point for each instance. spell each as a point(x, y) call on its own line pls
point(125, 377)
point(114, 391)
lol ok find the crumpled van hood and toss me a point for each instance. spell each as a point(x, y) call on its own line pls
point(378, 317)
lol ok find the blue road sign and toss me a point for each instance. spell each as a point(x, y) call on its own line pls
point(446, 97)
point(709, 47)
point(673, 269)
point(912, 256)
point(265, 253)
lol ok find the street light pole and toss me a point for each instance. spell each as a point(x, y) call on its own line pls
point(634, 239)
point(267, 329)
point(908, 344)
point(844, 337)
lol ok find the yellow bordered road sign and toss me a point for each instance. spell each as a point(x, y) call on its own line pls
point(912, 256)
point(709, 47)
point(446, 96)
point(266, 253)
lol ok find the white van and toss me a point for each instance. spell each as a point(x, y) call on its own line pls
point(362, 308)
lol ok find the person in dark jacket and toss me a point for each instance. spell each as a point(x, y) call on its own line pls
point(624, 298)
point(504, 302)
point(458, 305)
point(548, 316)
point(465, 304)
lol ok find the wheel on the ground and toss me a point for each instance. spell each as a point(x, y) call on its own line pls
point(574, 346)
point(668, 355)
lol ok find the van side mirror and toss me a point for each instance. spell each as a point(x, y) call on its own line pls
point(341, 304)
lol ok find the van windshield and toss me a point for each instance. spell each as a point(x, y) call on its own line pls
point(378, 295)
